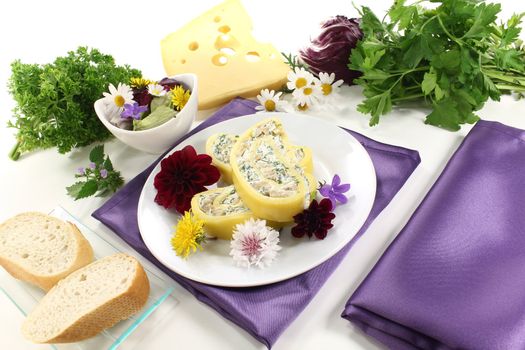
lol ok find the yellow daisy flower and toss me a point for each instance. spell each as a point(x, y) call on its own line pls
point(179, 97)
point(140, 82)
point(188, 236)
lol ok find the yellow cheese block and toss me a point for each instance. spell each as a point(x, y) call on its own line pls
point(219, 146)
point(219, 48)
point(273, 185)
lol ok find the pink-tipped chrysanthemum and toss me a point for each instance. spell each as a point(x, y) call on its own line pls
point(254, 243)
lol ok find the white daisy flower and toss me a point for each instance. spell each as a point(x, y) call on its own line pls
point(156, 90)
point(299, 78)
point(254, 243)
point(308, 95)
point(118, 97)
point(328, 86)
point(270, 101)
point(303, 107)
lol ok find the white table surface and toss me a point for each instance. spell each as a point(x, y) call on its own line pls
point(38, 31)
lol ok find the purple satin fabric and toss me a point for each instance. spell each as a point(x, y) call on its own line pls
point(266, 311)
point(454, 278)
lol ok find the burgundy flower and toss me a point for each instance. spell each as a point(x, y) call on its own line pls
point(142, 96)
point(183, 174)
point(316, 220)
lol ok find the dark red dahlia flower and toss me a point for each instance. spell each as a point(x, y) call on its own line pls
point(142, 96)
point(183, 174)
point(316, 220)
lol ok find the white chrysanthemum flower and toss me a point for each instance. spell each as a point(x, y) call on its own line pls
point(270, 101)
point(156, 90)
point(299, 78)
point(254, 243)
point(329, 88)
point(308, 95)
point(117, 98)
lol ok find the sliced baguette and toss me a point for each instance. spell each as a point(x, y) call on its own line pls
point(42, 249)
point(88, 301)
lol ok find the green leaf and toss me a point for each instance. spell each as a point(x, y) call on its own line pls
point(449, 60)
point(484, 15)
point(376, 74)
point(372, 59)
point(444, 115)
point(439, 93)
point(417, 50)
point(429, 82)
point(97, 154)
point(108, 165)
point(403, 15)
point(89, 188)
point(509, 59)
point(369, 22)
point(74, 189)
point(376, 106)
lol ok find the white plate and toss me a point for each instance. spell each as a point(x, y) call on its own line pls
point(335, 152)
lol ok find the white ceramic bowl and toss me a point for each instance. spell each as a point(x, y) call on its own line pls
point(160, 138)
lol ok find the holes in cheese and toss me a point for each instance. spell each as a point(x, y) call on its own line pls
point(268, 175)
point(220, 209)
point(227, 60)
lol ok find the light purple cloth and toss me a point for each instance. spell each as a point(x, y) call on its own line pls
point(264, 311)
point(454, 278)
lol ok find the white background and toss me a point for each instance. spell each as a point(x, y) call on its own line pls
point(39, 31)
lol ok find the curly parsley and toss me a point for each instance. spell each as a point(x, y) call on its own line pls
point(55, 101)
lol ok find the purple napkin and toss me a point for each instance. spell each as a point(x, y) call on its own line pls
point(454, 278)
point(264, 311)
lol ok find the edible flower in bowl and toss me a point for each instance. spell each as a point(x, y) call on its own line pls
point(150, 115)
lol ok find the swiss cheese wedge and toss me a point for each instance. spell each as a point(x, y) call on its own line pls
point(219, 48)
point(267, 175)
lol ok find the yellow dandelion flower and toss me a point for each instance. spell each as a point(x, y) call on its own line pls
point(179, 97)
point(140, 82)
point(188, 236)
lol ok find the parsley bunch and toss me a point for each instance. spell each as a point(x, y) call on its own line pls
point(55, 101)
point(454, 58)
point(99, 176)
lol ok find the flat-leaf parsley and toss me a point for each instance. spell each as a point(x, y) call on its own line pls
point(454, 57)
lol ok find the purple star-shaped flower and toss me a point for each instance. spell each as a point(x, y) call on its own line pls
point(133, 111)
point(103, 173)
point(335, 191)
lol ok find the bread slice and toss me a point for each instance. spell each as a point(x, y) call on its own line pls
point(42, 249)
point(88, 301)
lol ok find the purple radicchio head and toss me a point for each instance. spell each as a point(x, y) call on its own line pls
point(330, 51)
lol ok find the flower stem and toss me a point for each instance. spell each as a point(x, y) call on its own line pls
point(409, 97)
